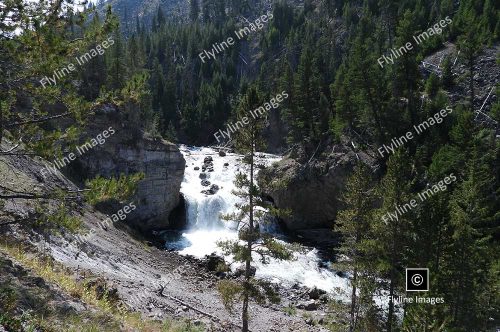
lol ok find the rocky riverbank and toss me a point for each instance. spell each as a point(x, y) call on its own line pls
point(163, 285)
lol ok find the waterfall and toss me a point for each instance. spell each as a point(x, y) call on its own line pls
point(205, 226)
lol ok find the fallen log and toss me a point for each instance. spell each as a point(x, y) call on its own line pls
point(217, 319)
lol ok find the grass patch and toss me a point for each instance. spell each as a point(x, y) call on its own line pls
point(111, 314)
point(60, 218)
point(290, 310)
point(101, 189)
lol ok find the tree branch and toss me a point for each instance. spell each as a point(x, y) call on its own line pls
point(16, 124)
point(23, 196)
point(9, 223)
point(8, 152)
point(55, 10)
point(19, 194)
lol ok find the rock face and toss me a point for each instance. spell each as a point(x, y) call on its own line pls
point(311, 190)
point(128, 152)
point(487, 72)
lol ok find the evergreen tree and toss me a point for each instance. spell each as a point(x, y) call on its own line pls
point(469, 260)
point(470, 46)
point(116, 63)
point(354, 226)
point(248, 140)
point(447, 74)
point(27, 60)
point(194, 10)
point(306, 96)
point(392, 228)
point(407, 75)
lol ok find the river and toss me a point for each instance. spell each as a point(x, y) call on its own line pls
point(205, 226)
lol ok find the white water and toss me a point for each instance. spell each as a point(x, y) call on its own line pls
point(205, 227)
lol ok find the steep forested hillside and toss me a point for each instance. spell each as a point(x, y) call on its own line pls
point(128, 10)
point(318, 52)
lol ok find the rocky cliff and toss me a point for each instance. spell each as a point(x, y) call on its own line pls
point(129, 151)
point(311, 189)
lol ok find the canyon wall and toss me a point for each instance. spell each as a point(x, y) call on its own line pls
point(130, 151)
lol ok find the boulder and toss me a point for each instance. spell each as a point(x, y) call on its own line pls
point(213, 262)
point(310, 305)
point(203, 176)
point(212, 190)
point(311, 189)
point(240, 271)
point(324, 298)
point(205, 183)
point(315, 293)
point(209, 168)
point(222, 153)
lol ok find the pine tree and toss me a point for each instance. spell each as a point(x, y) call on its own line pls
point(306, 96)
point(343, 98)
point(468, 264)
point(322, 124)
point(392, 233)
point(470, 45)
point(27, 59)
point(116, 64)
point(447, 74)
point(194, 10)
point(366, 85)
point(407, 74)
point(354, 226)
point(247, 141)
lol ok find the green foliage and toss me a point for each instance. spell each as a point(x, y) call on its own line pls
point(354, 225)
point(447, 74)
point(337, 127)
point(8, 298)
point(60, 218)
point(290, 310)
point(432, 85)
point(48, 45)
point(101, 189)
point(336, 89)
point(230, 291)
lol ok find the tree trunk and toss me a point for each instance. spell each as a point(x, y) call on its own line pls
point(471, 82)
point(244, 314)
point(390, 314)
point(1, 122)
point(391, 302)
point(353, 300)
